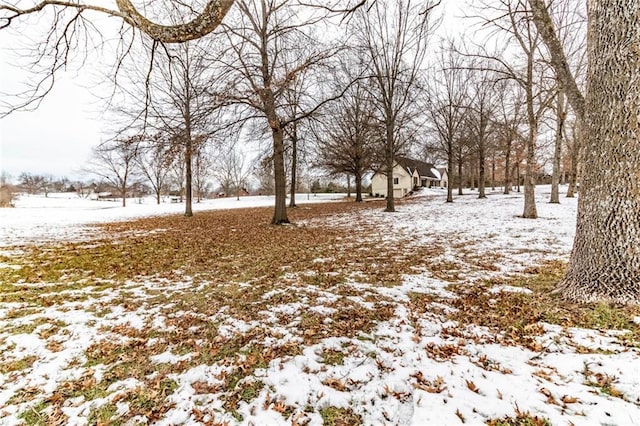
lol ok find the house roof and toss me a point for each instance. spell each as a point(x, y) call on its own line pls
point(425, 170)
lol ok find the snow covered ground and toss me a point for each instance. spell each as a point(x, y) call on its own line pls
point(415, 368)
point(65, 216)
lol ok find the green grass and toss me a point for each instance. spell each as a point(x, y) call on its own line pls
point(334, 416)
point(35, 415)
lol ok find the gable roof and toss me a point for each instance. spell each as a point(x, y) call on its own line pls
point(425, 170)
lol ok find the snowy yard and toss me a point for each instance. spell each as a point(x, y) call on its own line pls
point(436, 314)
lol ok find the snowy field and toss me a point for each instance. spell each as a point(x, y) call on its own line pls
point(416, 366)
point(65, 216)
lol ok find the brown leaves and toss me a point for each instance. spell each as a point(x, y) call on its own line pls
point(335, 384)
point(472, 386)
point(444, 352)
point(431, 386)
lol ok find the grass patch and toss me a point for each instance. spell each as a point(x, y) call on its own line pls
point(518, 315)
point(17, 365)
point(35, 415)
point(521, 419)
point(334, 416)
point(104, 415)
point(333, 357)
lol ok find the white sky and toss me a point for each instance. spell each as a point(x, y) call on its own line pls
point(57, 138)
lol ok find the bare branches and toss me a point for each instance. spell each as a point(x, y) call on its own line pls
point(545, 27)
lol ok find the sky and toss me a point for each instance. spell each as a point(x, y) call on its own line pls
point(56, 139)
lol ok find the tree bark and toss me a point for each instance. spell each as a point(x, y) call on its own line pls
point(557, 154)
point(389, 160)
point(449, 172)
point(294, 164)
point(507, 171)
point(358, 178)
point(573, 176)
point(189, 176)
point(460, 175)
point(481, 171)
point(605, 261)
point(530, 211)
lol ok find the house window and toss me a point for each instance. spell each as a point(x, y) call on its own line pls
point(415, 181)
point(396, 181)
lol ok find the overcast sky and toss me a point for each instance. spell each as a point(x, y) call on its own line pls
point(57, 137)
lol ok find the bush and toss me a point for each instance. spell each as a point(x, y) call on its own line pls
point(6, 196)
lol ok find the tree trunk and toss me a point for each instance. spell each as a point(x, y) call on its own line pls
point(605, 261)
point(459, 175)
point(507, 171)
point(123, 194)
point(294, 164)
point(158, 197)
point(358, 177)
point(573, 176)
point(189, 174)
point(557, 154)
point(493, 172)
point(348, 185)
point(389, 160)
point(449, 173)
point(280, 213)
point(518, 176)
point(481, 172)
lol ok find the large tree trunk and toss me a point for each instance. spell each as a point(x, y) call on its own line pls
point(530, 211)
point(557, 154)
point(605, 261)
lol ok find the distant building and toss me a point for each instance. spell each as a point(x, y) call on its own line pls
point(408, 175)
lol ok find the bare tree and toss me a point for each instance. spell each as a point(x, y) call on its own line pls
point(348, 137)
point(509, 123)
point(479, 117)
point(266, 38)
point(446, 106)
point(153, 159)
point(513, 20)
point(114, 161)
point(394, 37)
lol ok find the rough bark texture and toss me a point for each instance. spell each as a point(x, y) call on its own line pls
point(605, 262)
point(557, 154)
point(203, 24)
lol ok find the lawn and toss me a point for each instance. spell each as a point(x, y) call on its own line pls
point(436, 314)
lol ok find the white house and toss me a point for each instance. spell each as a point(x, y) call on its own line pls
point(408, 174)
point(444, 177)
